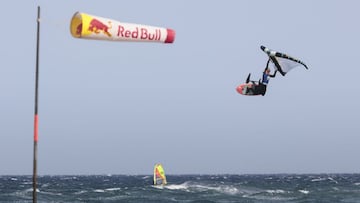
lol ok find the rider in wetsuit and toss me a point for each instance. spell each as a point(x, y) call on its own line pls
point(260, 88)
point(265, 80)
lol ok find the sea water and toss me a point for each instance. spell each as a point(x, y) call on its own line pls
point(184, 188)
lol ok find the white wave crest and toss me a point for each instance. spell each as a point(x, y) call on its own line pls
point(52, 193)
point(318, 179)
point(221, 189)
point(275, 191)
point(32, 189)
point(80, 192)
point(113, 189)
point(304, 191)
point(146, 177)
point(183, 186)
point(188, 186)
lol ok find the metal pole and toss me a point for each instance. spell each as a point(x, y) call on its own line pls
point(36, 130)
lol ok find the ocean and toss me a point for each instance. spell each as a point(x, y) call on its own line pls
point(330, 188)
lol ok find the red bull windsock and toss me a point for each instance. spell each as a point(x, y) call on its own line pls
point(93, 27)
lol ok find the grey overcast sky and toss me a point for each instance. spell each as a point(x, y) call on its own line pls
point(120, 107)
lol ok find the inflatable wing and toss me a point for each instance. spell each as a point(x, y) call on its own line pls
point(93, 27)
point(283, 63)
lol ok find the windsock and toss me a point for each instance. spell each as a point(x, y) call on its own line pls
point(93, 27)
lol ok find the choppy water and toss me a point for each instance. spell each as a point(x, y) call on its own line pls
point(185, 188)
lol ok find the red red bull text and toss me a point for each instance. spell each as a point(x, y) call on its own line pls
point(139, 33)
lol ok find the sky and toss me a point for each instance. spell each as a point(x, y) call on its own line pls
point(120, 107)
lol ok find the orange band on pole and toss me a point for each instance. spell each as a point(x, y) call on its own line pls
point(36, 129)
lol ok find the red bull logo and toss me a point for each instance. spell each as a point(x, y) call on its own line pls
point(139, 33)
point(97, 27)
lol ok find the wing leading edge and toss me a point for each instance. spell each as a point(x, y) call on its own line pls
point(283, 62)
